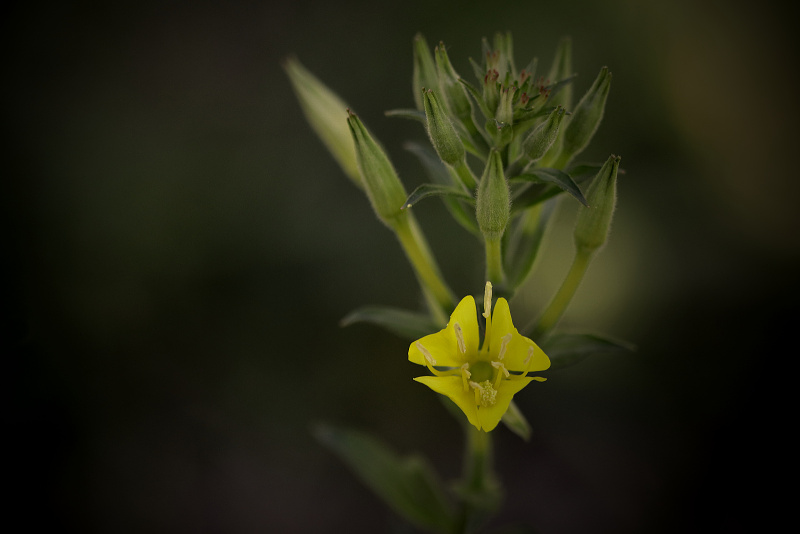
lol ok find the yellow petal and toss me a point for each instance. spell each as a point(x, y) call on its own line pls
point(518, 348)
point(490, 416)
point(444, 346)
point(453, 388)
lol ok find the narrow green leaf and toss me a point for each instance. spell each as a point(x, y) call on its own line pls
point(552, 176)
point(429, 190)
point(408, 485)
point(516, 422)
point(478, 97)
point(568, 349)
point(406, 324)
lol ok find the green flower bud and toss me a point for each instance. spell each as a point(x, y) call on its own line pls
point(383, 186)
point(594, 221)
point(561, 70)
point(441, 131)
point(543, 136)
point(505, 109)
point(454, 94)
point(493, 206)
point(586, 118)
point(425, 74)
point(323, 110)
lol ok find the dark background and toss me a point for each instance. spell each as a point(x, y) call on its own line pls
point(180, 249)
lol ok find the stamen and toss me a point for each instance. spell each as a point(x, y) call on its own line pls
point(425, 353)
point(487, 300)
point(460, 337)
point(526, 363)
point(501, 371)
point(485, 394)
point(504, 341)
point(465, 376)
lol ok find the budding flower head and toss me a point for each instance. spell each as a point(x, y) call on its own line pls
point(586, 117)
point(383, 186)
point(323, 110)
point(594, 221)
point(543, 136)
point(441, 131)
point(493, 205)
point(454, 95)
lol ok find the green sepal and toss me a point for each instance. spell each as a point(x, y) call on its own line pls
point(406, 324)
point(429, 190)
point(516, 422)
point(477, 96)
point(562, 70)
point(412, 114)
point(408, 485)
point(425, 74)
point(568, 349)
point(559, 178)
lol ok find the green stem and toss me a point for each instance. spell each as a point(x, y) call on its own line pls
point(565, 293)
point(439, 296)
point(479, 487)
point(494, 262)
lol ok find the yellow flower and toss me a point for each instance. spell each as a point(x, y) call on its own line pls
point(480, 379)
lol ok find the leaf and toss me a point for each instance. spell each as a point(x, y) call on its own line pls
point(478, 97)
point(516, 422)
point(552, 176)
point(568, 349)
point(408, 485)
point(429, 190)
point(406, 324)
point(408, 114)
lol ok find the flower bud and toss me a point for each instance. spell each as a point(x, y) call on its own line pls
point(594, 221)
point(586, 117)
point(441, 131)
point(454, 94)
point(323, 110)
point(543, 136)
point(561, 70)
point(425, 74)
point(383, 186)
point(493, 206)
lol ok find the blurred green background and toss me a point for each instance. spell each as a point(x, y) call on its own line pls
point(181, 248)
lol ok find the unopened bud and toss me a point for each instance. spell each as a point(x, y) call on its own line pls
point(543, 136)
point(586, 117)
point(441, 131)
point(594, 221)
point(383, 186)
point(454, 94)
point(424, 69)
point(493, 205)
point(561, 70)
point(323, 110)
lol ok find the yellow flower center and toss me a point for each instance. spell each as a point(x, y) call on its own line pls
point(485, 394)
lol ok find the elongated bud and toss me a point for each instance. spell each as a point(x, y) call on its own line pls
point(424, 69)
point(505, 108)
point(493, 203)
point(454, 94)
point(586, 117)
point(383, 186)
point(594, 221)
point(543, 136)
point(323, 110)
point(441, 131)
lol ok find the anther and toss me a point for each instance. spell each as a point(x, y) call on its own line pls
point(504, 341)
point(487, 300)
point(424, 351)
point(501, 367)
point(460, 338)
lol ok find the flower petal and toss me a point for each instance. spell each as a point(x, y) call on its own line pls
point(518, 348)
point(490, 416)
point(453, 388)
point(444, 346)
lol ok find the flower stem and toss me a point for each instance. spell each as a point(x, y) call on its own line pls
point(479, 488)
point(562, 298)
point(440, 298)
point(465, 176)
point(494, 262)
